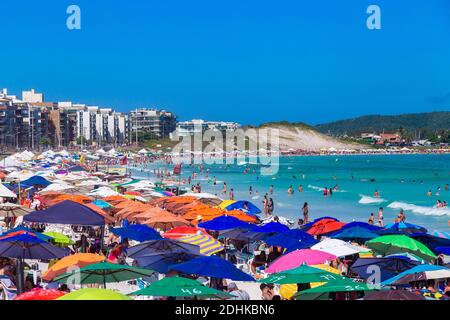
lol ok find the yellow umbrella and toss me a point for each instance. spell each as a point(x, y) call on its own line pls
point(225, 204)
point(288, 290)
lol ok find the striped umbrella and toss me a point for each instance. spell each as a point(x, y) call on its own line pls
point(207, 244)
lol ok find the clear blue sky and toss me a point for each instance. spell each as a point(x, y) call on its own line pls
point(250, 61)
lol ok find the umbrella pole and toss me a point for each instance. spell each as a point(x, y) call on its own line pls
point(102, 241)
point(20, 276)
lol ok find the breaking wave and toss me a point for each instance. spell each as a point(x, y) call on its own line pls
point(368, 200)
point(428, 211)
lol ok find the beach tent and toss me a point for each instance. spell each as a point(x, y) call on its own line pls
point(6, 193)
point(180, 287)
point(419, 273)
point(94, 294)
point(297, 258)
point(67, 212)
point(212, 266)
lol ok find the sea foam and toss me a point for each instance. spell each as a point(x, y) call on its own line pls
point(428, 211)
point(369, 200)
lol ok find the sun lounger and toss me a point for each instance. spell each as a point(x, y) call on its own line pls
point(8, 290)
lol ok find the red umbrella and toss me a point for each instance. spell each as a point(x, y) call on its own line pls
point(183, 231)
point(40, 294)
point(325, 226)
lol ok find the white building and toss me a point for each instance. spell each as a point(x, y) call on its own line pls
point(194, 126)
point(32, 96)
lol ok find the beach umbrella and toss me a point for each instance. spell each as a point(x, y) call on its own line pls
point(244, 206)
point(325, 226)
point(298, 257)
point(315, 221)
point(406, 228)
point(166, 222)
point(301, 274)
point(356, 233)
point(75, 261)
point(183, 231)
point(103, 272)
point(393, 295)
point(225, 203)
point(21, 229)
point(431, 241)
point(208, 245)
point(161, 262)
point(338, 247)
point(430, 295)
point(59, 238)
point(13, 210)
point(161, 246)
point(443, 250)
point(419, 273)
point(6, 193)
point(102, 204)
point(363, 225)
point(40, 294)
point(270, 227)
point(212, 266)
point(29, 246)
point(37, 181)
point(292, 240)
point(441, 234)
point(342, 284)
point(388, 267)
point(180, 287)
point(390, 244)
point(94, 294)
point(242, 234)
point(138, 232)
point(224, 223)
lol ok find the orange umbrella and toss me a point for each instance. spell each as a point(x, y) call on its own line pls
point(241, 216)
point(205, 213)
point(78, 260)
point(150, 213)
point(183, 209)
point(127, 204)
point(132, 209)
point(134, 193)
point(75, 198)
point(100, 211)
point(115, 199)
point(166, 222)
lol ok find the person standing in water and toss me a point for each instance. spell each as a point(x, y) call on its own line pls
point(270, 207)
point(290, 190)
point(376, 194)
point(271, 190)
point(371, 218)
point(265, 206)
point(250, 190)
point(380, 217)
point(224, 189)
point(300, 188)
point(305, 210)
point(231, 194)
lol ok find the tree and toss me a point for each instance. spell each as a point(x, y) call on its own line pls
point(45, 141)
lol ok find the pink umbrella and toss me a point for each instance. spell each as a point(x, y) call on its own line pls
point(297, 258)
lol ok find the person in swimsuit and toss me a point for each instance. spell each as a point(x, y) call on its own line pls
point(371, 218)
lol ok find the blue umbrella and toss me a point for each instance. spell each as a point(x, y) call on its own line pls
point(161, 246)
point(292, 239)
point(28, 230)
point(161, 262)
point(102, 204)
point(36, 181)
point(359, 224)
point(431, 241)
point(417, 273)
point(138, 232)
point(270, 227)
point(211, 266)
point(224, 223)
point(28, 246)
point(355, 233)
point(244, 206)
point(406, 228)
point(388, 266)
point(443, 250)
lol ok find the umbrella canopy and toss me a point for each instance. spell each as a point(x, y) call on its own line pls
point(338, 247)
point(443, 250)
point(211, 266)
point(301, 274)
point(166, 222)
point(297, 258)
point(226, 203)
point(224, 223)
point(161, 246)
point(180, 287)
point(6, 193)
point(67, 212)
point(161, 262)
point(138, 232)
point(431, 241)
point(28, 246)
point(325, 226)
point(292, 239)
point(183, 231)
point(102, 204)
point(40, 294)
point(37, 181)
point(419, 273)
point(13, 210)
point(441, 234)
point(103, 272)
point(78, 260)
point(20, 230)
point(400, 243)
point(208, 245)
point(393, 295)
point(59, 238)
point(388, 266)
point(94, 294)
point(407, 228)
point(363, 225)
point(355, 233)
point(244, 206)
point(270, 227)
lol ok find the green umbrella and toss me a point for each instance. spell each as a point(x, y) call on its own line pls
point(341, 284)
point(59, 238)
point(302, 274)
point(94, 294)
point(180, 287)
point(391, 244)
point(103, 272)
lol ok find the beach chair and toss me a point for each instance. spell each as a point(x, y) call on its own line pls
point(8, 290)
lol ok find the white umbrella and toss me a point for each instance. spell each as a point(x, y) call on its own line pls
point(338, 247)
point(6, 193)
point(103, 192)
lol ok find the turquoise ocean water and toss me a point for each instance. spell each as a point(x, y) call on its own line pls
point(402, 181)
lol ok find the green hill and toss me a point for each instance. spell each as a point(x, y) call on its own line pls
point(417, 123)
